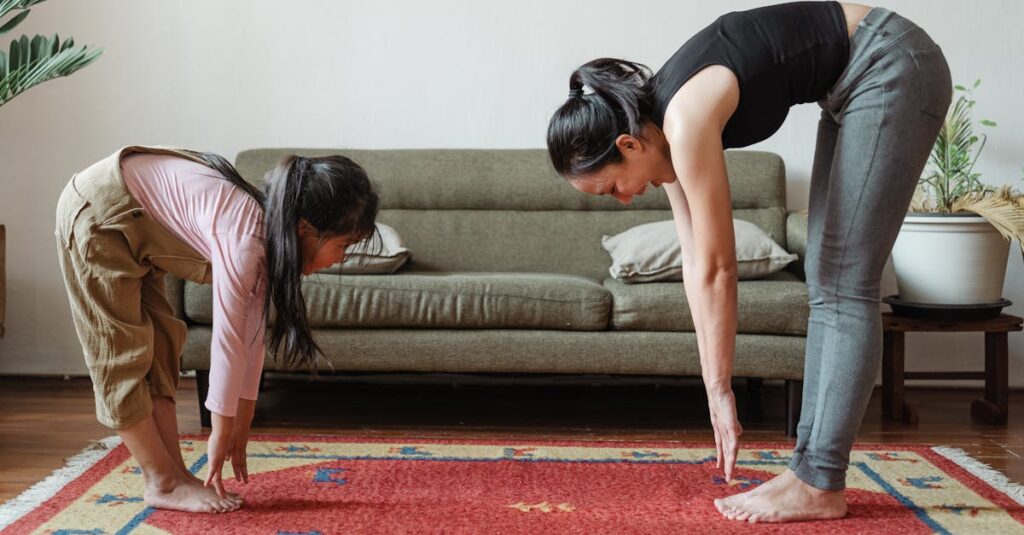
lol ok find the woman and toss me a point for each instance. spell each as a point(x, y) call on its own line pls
point(884, 88)
point(144, 211)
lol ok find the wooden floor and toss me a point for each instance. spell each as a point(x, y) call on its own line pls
point(43, 421)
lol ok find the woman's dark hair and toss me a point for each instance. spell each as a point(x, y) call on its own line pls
point(582, 132)
point(335, 195)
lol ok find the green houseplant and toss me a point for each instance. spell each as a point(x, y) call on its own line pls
point(32, 61)
point(953, 246)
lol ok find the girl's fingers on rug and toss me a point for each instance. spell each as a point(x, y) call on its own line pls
point(239, 466)
point(238, 459)
point(213, 478)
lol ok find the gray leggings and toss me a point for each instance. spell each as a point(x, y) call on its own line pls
point(878, 124)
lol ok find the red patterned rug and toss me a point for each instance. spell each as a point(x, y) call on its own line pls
point(327, 485)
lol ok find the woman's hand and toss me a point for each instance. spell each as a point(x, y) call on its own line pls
point(722, 405)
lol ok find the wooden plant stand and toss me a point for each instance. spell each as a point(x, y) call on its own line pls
point(992, 408)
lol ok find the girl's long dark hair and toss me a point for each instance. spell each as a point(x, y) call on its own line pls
point(582, 132)
point(218, 163)
point(335, 195)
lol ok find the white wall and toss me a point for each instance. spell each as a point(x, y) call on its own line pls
point(225, 76)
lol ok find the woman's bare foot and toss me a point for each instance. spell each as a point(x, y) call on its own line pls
point(784, 499)
point(185, 494)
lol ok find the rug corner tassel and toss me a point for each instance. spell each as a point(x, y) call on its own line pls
point(983, 471)
point(25, 502)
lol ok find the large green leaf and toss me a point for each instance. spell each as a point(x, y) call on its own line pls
point(37, 60)
point(9, 25)
point(6, 6)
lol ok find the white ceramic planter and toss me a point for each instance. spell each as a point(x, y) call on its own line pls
point(949, 260)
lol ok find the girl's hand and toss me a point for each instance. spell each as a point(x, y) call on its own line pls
point(722, 405)
point(218, 449)
point(240, 439)
point(236, 453)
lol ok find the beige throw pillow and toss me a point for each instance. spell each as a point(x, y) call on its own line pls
point(391, 256)
point(650, 252)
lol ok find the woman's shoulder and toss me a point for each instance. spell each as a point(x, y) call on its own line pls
point(706, 102)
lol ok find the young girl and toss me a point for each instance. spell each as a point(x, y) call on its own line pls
point(142, 212)
point(884, 88)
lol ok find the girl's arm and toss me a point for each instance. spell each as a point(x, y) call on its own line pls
point(256, 353)
point(236, 350)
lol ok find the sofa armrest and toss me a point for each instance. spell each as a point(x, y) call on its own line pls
point(174, 289)
point(796, 241)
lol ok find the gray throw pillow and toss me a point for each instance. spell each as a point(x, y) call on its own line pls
point(392, 255)
point(650, 252)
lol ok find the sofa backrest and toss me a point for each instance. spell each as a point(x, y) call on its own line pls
point(507, 210)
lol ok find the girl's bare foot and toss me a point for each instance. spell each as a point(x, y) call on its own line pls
point(192, 477)
point(169, 484)
point(185, 494)
point(784, 499)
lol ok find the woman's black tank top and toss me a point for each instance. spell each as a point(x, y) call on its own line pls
point(782, 55)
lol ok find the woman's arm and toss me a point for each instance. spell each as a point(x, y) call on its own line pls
point(702, 209)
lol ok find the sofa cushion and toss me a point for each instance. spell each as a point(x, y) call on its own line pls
point(650, 253)
point(381, 254)
point(512, 179)
point(776, 304)
point(442, 201)
point(526, 351)
point(443, 301)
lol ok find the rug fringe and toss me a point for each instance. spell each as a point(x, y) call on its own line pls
point(983, 471)
point(18, 507)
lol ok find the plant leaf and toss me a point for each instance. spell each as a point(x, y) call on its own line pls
point(13, 22)
point(1003, 208)
point(40, 59)
point(6, 6)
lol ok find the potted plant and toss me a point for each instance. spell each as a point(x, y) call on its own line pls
point(953, 245)
point(30, 63)
point(36, 60)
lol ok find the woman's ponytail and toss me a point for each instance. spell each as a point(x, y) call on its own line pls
point(582, 132)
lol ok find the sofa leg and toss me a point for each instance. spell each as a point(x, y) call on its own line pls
point(202, 388)
point(794, 399)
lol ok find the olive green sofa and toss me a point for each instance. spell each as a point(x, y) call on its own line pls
point(507, 275)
